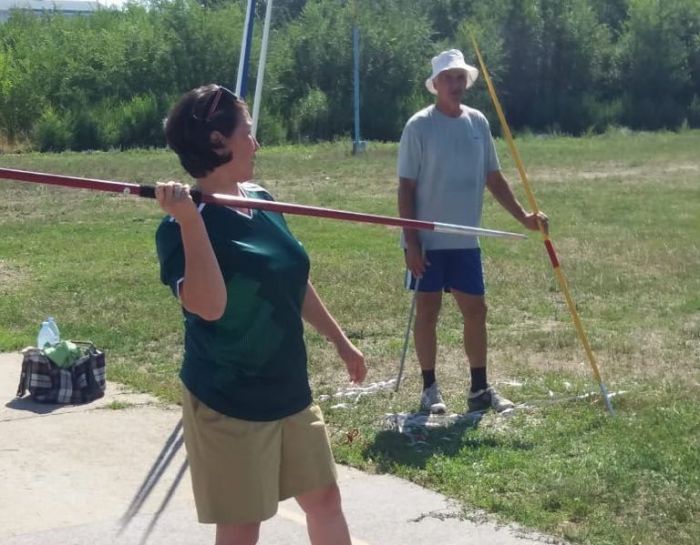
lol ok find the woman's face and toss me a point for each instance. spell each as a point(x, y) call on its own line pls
point(242, 143)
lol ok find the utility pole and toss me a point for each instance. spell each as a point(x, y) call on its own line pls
point(358, 145)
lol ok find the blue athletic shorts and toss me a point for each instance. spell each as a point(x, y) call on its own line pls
point(451, 269)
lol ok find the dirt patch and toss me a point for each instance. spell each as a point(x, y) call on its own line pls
point(11, 277)
point(617, 171)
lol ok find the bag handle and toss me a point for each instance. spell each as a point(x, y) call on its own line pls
point(89, 343)
point(89, 346)
point(23, 379)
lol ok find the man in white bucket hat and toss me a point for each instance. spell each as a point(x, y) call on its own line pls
point(446, 159)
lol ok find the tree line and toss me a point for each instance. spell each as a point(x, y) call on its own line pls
point(570, 66)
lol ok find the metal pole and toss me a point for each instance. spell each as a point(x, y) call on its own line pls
point(170, 450)
point(545, 237)
point(164, 503)
point(261, 67)
point(411, 313)
point(244, 59)
point(356, 79)
point(358, 146)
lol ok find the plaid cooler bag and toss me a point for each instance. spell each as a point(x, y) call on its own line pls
point(84, 381)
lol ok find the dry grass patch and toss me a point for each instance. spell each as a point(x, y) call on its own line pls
point(619, 172)
point(12, 277)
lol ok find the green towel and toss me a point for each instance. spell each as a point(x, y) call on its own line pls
point(64, 354)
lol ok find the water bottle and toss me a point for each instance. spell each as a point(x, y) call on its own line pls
point(54, 328)
point(47, 336)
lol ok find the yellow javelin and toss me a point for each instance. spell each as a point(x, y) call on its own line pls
point(547, 242)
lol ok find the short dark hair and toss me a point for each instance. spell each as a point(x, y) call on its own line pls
point(191, 121)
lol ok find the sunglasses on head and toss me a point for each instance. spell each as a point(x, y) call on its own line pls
point(213, 103)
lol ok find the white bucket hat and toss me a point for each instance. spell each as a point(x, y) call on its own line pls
point(448, 60)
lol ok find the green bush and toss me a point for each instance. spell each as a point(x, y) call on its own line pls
point(53, 132)
point(108, 115)
point(694, 112)
point(604, 114)
point(140, 123)
point(86, 131)
point(271, 129)
point(310, 117)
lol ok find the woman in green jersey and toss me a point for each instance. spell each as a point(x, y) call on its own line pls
point(253, 435)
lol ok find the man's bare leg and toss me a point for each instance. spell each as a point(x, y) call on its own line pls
point(473, 309)
point(481, 395)
point(425, 329)
point(425, 336)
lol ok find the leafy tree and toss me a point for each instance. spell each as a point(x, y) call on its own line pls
point(573, 47)
point(447, 16)
point(393, 52)
point(657, 59)
point(612, 13)
point(108, 79)
point(516, 59)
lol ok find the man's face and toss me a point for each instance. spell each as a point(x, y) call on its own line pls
point(451, 84)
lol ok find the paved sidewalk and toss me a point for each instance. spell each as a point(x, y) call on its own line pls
point(68, 473)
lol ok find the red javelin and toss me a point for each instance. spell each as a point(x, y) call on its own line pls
point(148, 191)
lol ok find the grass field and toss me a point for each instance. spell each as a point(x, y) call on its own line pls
point(625, 219)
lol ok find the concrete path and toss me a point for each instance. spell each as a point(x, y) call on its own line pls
point(68, 473)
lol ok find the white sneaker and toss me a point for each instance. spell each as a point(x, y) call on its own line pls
point(488, 398)
point(431, 400)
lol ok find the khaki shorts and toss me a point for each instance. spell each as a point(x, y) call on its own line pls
point(242, 469)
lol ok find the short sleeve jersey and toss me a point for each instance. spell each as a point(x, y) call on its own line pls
point(251, 363)
point(449, 157)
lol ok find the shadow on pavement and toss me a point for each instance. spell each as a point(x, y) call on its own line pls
point(28, 404)
point(414, 447)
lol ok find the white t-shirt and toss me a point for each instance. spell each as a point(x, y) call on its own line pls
point(449, 157)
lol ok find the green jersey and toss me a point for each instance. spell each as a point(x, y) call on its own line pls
point(250, 363)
